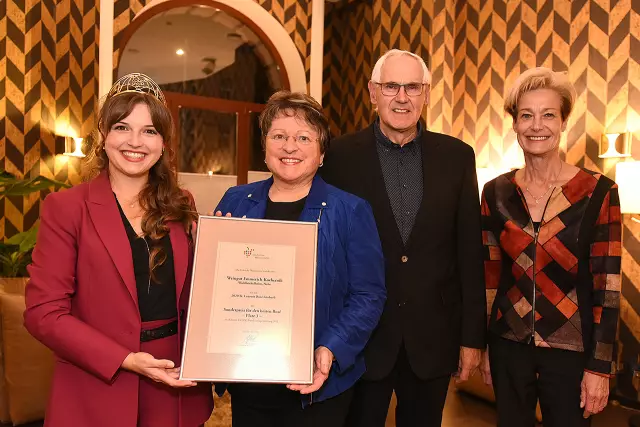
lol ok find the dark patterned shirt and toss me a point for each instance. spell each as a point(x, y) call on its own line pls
point(557, 285)
point(402, 172)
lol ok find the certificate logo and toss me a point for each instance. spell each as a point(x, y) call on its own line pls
point(252, 253)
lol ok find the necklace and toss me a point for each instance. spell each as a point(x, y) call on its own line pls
point(537, 199)
point(130, 203)
point(133, 202)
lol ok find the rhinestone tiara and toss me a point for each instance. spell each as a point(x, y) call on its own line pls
point(137, 82)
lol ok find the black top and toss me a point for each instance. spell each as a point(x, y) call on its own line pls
point(284, 211)
point(272, 395)
point(402, 172)
point(156, 299)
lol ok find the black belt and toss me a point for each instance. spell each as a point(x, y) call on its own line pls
point(159, 332)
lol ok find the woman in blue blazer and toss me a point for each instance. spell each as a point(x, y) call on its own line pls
point(350, 289)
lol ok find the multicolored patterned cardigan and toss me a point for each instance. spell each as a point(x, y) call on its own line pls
point(572, 261)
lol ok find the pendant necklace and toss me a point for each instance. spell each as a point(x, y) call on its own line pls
point(537, 199)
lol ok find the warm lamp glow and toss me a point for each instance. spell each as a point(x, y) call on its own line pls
point(487, 174)
point(63, 128)
point(77, 149)
point(628, 180)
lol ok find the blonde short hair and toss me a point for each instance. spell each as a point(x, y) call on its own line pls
point(377, 69)
point(541, 78)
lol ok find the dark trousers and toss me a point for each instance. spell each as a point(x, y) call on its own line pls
point(419, 402)
point(523, 373)
point(250, 412)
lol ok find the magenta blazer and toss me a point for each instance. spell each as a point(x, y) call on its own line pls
point(82, 303)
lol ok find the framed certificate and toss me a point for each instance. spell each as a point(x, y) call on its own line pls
point(251, 308)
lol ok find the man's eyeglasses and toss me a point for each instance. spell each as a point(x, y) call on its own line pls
point(299, 139)
point(392, 89)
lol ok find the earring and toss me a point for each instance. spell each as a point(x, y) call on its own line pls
point(320, 165)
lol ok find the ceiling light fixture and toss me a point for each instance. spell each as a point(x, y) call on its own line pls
point(179, 52)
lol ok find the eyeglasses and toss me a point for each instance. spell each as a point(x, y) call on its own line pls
point(299, 139)
point(392, 89)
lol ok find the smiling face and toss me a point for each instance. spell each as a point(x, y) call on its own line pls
point(133, 145)
point(539, 123)
point(401, 112)
point(292, 162)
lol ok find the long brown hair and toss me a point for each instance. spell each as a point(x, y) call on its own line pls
point(162, 200)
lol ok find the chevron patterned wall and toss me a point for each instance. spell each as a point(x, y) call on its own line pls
point(48, 80)
point(475, 50)
point(592, 40)
point(3, 102)
point(357, 33)
point(49, 83)
point(348, 60)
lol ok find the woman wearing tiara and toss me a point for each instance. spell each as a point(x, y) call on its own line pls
point(110, 274)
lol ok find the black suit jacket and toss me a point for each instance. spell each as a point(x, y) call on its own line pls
point(435, 284)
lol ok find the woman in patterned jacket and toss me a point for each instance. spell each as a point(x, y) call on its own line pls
point(552, 237)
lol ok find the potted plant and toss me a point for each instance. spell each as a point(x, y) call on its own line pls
point(15, 252)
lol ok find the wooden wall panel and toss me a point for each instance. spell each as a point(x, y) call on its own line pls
point(48, 82)
point(476, 49)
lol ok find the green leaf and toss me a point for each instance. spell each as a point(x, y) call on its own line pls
point(25, 240)
point(12, 186)
point(15, 253)
point(30, 238)
point(17, 239)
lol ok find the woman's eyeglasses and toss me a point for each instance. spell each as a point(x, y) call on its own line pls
point(299, 139)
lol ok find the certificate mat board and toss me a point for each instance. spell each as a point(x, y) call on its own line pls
point(252, 302)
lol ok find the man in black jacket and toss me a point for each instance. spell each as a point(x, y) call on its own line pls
point(423, 189)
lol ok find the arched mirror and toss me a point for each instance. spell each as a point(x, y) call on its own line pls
point(217, 70)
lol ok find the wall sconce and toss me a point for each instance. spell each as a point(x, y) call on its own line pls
point(627, 178)
point(73, 147)
point(615, 145)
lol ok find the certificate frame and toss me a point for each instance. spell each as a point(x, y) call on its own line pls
point(225, 339)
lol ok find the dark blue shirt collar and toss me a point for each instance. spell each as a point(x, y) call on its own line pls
point(386, 142)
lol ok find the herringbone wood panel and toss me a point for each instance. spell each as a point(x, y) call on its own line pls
point(47, 64)
point(348, 63)
point(475, 50)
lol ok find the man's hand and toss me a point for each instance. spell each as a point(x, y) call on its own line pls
point(469, 361)
point(485, 368)
point(323, 361)
point(594, 393)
